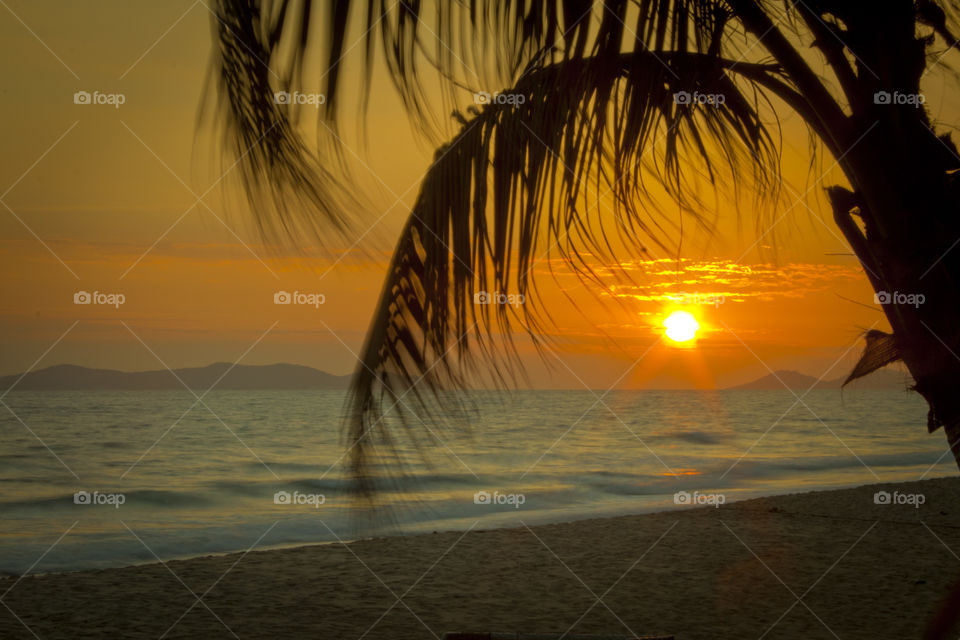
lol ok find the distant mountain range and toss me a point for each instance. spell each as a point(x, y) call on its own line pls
point(69, 377)
point(890, 379)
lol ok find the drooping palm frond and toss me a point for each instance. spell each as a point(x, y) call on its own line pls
point(291, 193)
point(521, 178)
point(261, 48)
point(599, 118)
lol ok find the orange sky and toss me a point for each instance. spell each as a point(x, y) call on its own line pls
point(105, 199)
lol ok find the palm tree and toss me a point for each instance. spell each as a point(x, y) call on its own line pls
point(599, 106)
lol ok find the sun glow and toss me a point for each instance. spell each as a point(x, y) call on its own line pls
point(681, 326)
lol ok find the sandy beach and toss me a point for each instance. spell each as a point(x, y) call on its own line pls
point(811, 565)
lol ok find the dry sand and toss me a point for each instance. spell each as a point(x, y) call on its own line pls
point(859, 570)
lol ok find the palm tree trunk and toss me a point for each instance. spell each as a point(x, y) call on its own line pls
point(907, 200)
point(906, 196)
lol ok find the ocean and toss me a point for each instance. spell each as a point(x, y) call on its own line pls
point(107, 479)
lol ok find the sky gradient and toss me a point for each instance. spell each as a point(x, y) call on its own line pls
point(126, 200)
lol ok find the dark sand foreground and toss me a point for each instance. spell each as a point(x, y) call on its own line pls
point(859, 570)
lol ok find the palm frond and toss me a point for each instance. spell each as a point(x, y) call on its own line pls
point(599, 119)
point(291, 193)
point(521, 176)
point(262, 48)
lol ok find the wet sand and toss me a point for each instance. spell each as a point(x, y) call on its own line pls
point(813, 565)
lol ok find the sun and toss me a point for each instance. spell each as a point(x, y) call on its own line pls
point(681, 326)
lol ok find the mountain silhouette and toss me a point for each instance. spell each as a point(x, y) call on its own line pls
point(225, 376)
point(889, 379)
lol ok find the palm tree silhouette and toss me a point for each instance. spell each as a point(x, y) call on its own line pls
point(604, 97)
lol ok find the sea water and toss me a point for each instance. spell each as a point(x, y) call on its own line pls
point(105, 479)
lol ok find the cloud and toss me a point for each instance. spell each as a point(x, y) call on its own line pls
point(665, 280)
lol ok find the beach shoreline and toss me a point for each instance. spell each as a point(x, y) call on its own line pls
point(805, 565)
point(384, 529)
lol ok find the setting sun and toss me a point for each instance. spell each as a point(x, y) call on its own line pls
point(681, 326)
